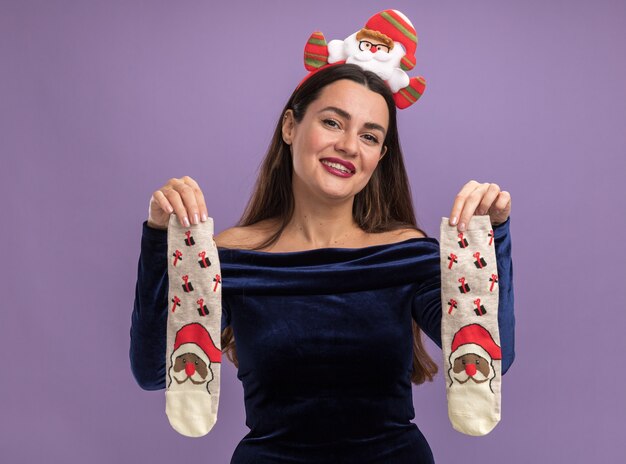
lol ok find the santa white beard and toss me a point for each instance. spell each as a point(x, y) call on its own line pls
point(470, 396)
point(381, 63)
point(463, 378)
point(472, 407)
point(181, 381)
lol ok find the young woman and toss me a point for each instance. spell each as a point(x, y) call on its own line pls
point(327, 282)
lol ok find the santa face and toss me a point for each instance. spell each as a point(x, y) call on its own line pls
point(338, 143)
point(471, 367)
point(471, 371)
point(189, 369)
point(372, 55)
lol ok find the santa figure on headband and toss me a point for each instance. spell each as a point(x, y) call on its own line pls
point(385, 46)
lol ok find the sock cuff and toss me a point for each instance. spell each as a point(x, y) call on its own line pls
point(475, 223)
point(205, 228)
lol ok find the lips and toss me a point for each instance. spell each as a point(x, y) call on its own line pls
point(347, 164)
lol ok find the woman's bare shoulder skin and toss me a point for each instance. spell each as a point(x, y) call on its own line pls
point(245, 237)
point(394, 236)
point(405, 234)
point(248, 237)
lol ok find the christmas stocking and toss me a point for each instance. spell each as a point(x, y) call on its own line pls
point(469, 326)
point(193, 350)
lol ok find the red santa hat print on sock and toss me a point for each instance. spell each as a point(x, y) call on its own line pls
point(385, 45)
point(472, 353)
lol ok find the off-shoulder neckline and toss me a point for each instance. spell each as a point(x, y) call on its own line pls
point(382, 246)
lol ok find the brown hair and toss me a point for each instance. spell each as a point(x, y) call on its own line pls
point(384, 204)
point(368, 33)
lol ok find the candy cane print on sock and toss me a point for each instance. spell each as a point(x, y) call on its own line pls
point(469, 326)
point(193, 350)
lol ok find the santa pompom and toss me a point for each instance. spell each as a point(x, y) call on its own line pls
point(385, 46)
point(472, 354)
point(191, 359)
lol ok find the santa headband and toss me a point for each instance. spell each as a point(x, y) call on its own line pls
point(385, 45)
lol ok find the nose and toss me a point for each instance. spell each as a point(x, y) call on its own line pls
point(347, 143)
point(373, 49)
point(190, 369)
point(470, 369)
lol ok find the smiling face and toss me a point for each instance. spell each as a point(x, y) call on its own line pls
point(339, 141)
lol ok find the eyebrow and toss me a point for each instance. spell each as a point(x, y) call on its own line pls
point(346, 115)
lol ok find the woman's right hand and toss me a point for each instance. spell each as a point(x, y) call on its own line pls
point(180, 196)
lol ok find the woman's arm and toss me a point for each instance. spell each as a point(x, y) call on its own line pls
point(149, 317)
point(426, 307)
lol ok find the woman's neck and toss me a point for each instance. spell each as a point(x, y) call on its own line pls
point(321, 225)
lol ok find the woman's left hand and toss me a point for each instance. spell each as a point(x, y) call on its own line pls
point(480, 199)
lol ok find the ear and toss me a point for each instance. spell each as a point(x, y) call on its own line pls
point(289, 123)
point(383, 152)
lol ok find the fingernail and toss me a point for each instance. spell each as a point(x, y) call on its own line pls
point(462, 226)
point(170, 209)
point(453, 221)
point(195, 218)
point(186, 221)
point(203, 217)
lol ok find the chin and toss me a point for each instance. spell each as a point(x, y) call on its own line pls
point(327, 187)
point(335, 195)
point(343, 192)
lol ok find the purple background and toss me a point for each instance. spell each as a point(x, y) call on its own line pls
point(103, 102)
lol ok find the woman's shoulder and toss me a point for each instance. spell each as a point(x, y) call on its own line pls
point(394, 236)
point(248, 237)
point(245, 237)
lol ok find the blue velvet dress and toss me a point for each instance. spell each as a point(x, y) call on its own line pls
point(324, 343)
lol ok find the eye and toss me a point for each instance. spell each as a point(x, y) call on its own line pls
point(331, 123)
point(477, 362)
point(371, 138)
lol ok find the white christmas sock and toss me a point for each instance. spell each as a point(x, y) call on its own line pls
point(193, 353)
point(469, 326)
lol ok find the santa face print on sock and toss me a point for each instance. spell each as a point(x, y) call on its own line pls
point(471, 359)
point(470, 367)
point(192, 359)
point(189, 368)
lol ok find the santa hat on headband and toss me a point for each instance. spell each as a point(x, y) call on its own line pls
point(397, 27)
